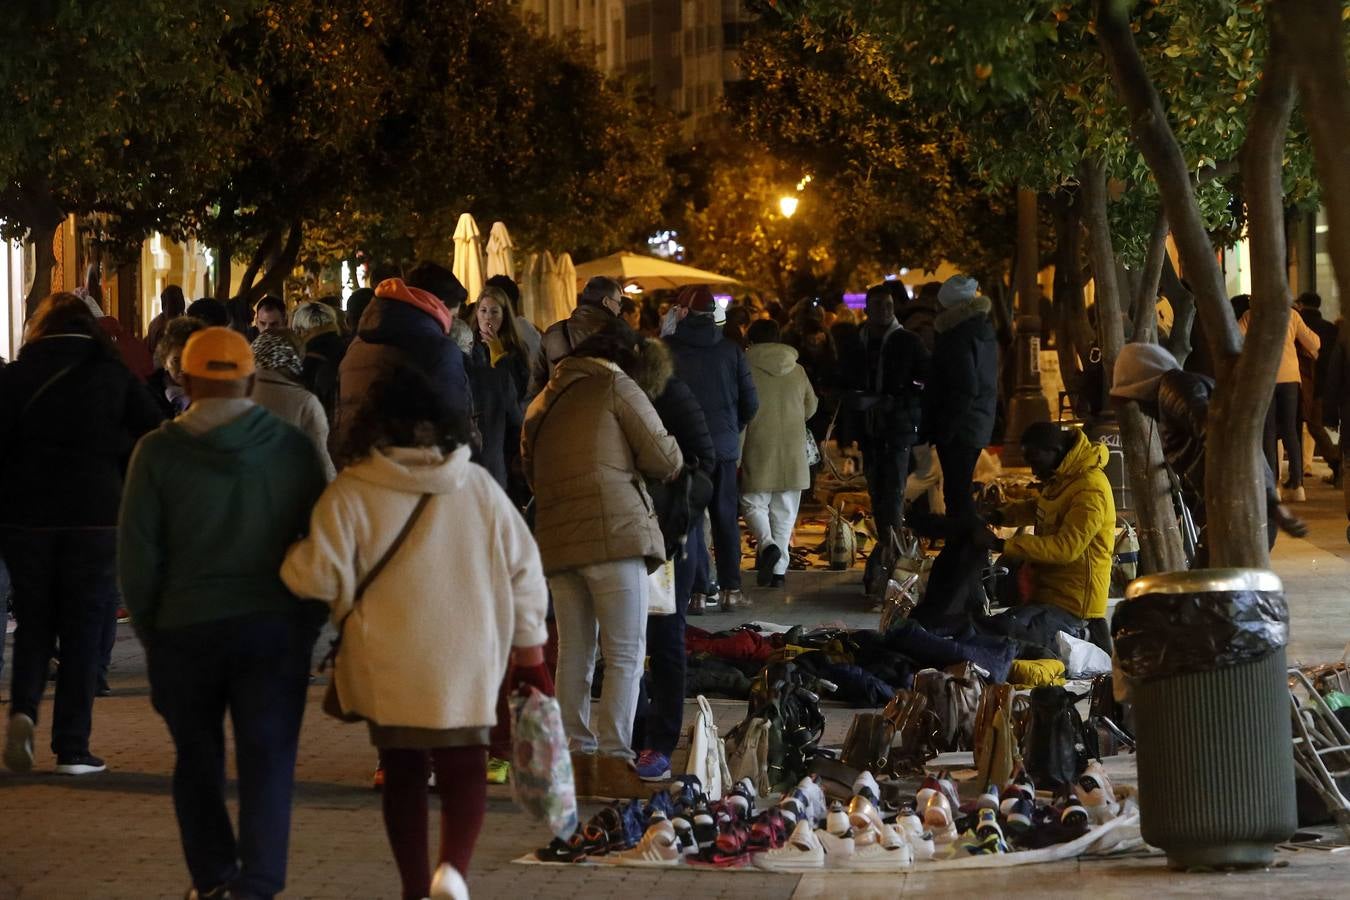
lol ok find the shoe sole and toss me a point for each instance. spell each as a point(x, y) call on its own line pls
point(770, 866)
point(651, 779)
point(19, 745)
point(80, 770)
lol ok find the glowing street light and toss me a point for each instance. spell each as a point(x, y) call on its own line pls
point(787, 205)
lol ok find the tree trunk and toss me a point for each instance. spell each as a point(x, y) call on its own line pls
point(1146, 299)
point(44, 260)
point(1160, 546)
point(267, 249)
point(1183, 311)
point(1235, 501)
point(1315, 28)
point(1068, 290)
point(280, 267)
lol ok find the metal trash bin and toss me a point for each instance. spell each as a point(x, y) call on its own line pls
point(1203, 652)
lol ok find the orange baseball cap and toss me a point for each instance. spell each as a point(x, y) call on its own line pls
point(220, 354)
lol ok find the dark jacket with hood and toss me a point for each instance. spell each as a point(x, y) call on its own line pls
point(675, 404)
point(70, 413)
point(393, 332)
point(498, 392)
point(893, 389)
point(323, 360)
point(259, 478)
point(718, 374)
point(963, 390)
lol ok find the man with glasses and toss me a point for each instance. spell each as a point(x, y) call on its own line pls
point(598, 308)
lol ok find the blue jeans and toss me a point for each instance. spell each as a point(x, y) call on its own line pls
point(64, 586)
point(256, 668)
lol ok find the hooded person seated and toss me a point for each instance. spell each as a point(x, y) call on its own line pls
point(1069, 555)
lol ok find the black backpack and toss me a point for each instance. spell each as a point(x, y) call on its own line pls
point(678, 504)
point(1057, 746)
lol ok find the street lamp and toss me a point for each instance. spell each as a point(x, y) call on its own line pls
point(787, 205)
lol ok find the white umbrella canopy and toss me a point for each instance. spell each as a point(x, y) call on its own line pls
point(548, 290)
point(530, 301)
point(500, 260)
point(649, 272)
point(566, 297)
point(468, 267)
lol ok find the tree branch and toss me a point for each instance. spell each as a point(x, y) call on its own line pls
point(1146, 299)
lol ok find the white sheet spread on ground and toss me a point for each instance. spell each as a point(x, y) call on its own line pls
point(1120, 835)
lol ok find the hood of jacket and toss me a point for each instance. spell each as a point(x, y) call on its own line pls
point(388, 320)
point(1083, 457)
point(572, 369)
point(413, 470)
point(962, 312)
point(248, 442)
point(772, 359)
point(655, 367)
point(697, 330)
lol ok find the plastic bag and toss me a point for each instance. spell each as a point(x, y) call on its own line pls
point(1159, 635)
point(541, 766)
point(661, 590)
point(1081, 658)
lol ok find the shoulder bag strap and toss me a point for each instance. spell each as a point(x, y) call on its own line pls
point(375, 570)
point(543, 417)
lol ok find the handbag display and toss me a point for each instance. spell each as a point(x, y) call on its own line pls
point(868, 743)
point(996, 746)
point(953, 699)
point(915, 731)
point(707, 753)
point(332, 703)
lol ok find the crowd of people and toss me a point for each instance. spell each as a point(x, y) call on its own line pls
point(477, 506)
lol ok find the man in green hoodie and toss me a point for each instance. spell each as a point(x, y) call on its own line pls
point(212, 501)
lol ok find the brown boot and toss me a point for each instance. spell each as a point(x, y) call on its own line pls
point(616, 778)
point(583, 773)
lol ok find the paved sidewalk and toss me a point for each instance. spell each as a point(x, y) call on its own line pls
point(114, 835)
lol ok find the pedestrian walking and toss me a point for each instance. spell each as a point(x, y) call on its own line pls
point(683, 418)
point(277, 388)
point(171, 306)
point(774, 468)
point(322, 347)
point(498, 375)
point(1313, 373)
point(598, 309)
point(408, 515)
point(890, 403)
point(165, 383)
point(403, 325)
point(1282, 425)
point(962, 393)
point(1336, 399)
point(717, 373)
point(222, 633)
point(590, 439)
point(70, 413)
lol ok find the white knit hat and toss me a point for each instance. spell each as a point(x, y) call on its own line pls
point(958, 289)
point(1139, 368)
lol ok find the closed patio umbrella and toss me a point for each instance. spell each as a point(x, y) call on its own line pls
point(500, 258)
point(468, 267)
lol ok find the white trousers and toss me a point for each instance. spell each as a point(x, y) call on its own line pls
point(770, 516)
point(926, 479)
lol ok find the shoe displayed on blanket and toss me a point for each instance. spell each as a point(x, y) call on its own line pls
point(729, 850)
point(922, 845)
point(877, 851)
point(743, 798)
point(1093, 790)
point(938, 813)
point(704, 825)
point(498, 770)
point(1020, 816)
point(765, 561)
point(686, 792)
point(838, 848)
point(769, 831)
point(658, 847)
point(653, 766)
point(684, 834)
point(448, 884)
point(866, 784)
point(791, 809)
point(589, 840)
point(863, 813)
point(1073, 814)
point(660, 802)
point(837, 821)
point(909, 822)
point(803, 851)
point(989, 798)
point(812, 797)
point(1020, 788)
point(987, 845)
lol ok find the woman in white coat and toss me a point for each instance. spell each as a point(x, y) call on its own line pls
point(427, 643)
point(774, 470)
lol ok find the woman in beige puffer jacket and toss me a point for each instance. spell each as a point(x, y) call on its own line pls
point(589, 440)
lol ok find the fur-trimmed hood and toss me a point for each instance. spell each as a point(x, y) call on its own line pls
point(950, 318)
point(655, 367)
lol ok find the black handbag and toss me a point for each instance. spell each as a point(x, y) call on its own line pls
point(1051, 753)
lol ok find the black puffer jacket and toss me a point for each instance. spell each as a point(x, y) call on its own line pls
point(70, 415)
point(323, 359)
point(676, 405)
point(497, 393)
point(895, 388)
point(1336, 383)
point(962, 394)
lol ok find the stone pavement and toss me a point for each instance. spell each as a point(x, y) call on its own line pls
point(114, 835)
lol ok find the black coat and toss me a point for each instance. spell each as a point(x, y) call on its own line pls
point(70, 415)
point(323, 359)
point(683, 418)
point(1336, 383)
point(718, 374)
point(892, 390)
point(498, 408)
point(962, 393)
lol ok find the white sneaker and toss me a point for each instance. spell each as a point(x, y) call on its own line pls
point(876, 856)
point(909, 822)
point(1093, 790)
point(814, 796)
point(837, 821)
point(921, 845)
point(802, 851)
point(657, 848)
point(448, 884)
point(863, 813)
point(837, 848)
point(1297, 495)
point(867, 782)
point(19, 744)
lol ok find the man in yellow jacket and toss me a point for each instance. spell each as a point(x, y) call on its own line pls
point(1071, 551)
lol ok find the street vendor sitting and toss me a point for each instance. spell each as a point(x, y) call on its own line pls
point(1069, 555)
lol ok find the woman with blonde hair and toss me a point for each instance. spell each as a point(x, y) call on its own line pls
point(322, 348)
point(498, 375)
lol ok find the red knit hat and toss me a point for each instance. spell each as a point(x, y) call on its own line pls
point(697, 299)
